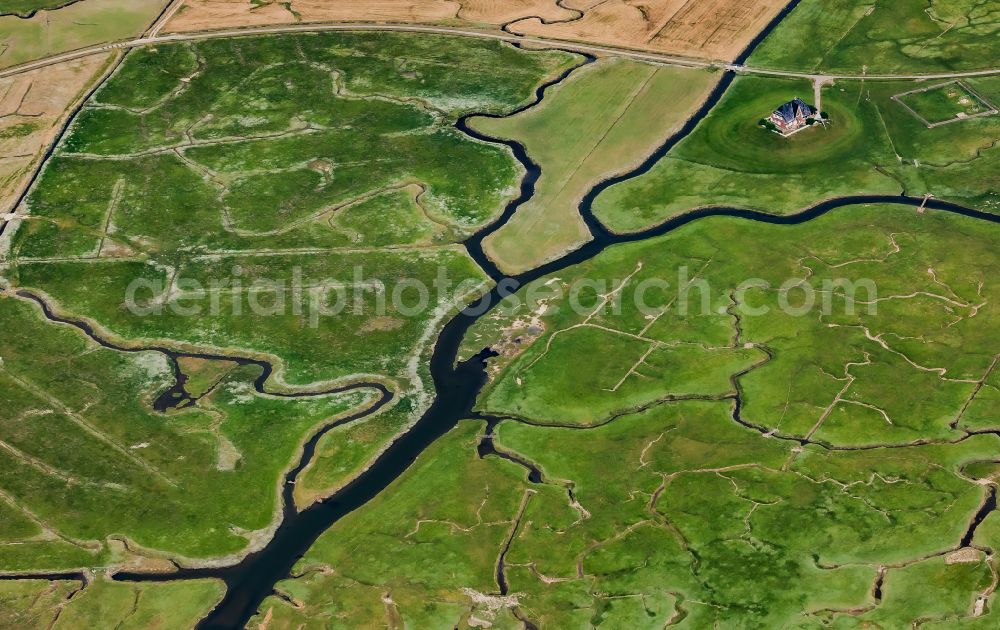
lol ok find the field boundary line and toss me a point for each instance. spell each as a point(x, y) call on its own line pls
point(991, 109)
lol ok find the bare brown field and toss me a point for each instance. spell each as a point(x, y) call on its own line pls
point(503, 11)
point(33, 106)
point(201, 15)
point(710, 29)
point(197, 15)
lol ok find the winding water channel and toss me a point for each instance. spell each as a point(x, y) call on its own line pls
point(456, 384)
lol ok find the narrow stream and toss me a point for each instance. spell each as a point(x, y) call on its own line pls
point(532, 172)
point(32, 13)
point(177, 397)
point(989, 505)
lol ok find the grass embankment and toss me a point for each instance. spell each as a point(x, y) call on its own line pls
point(872, 145)
point(699, 518)
point(899, 37)
point(78, 25)
point(603, 119)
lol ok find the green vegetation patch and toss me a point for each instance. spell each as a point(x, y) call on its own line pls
point(438, 529)
point(141, 606)
point(872, 144)
point(75, 25)
point(253, 179)
point(600, 121)
point(903, 36)
point(151, 75)
point(731, 160)
point(635, 372)
point(814, 489)
point(27, 7)
point(945, 103)
point(699, 522)
point(954, 585)
point(67, 604)
point(282, 131)
point(326, 317)
point(844, 341)
point(32, 604)
point(19, 130)
point(346, 451)
point(83, 453)
point(951, 161)
point(253, 156)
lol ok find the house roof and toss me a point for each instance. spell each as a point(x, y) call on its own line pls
point(791, 110)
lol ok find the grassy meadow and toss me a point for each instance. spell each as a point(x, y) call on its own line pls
point(871, 145)
point(56, 29)
point(221, 175)
point(699, 521)
point(347, 450)
point(24, 8)
point(605, 118)
point(945, 103)
point(796, 430)
point(244, 159)
point(85, 459)
point(670, 512)
point(64, 605)
point(917, 295)
point(898, 37)
point(954, 161)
